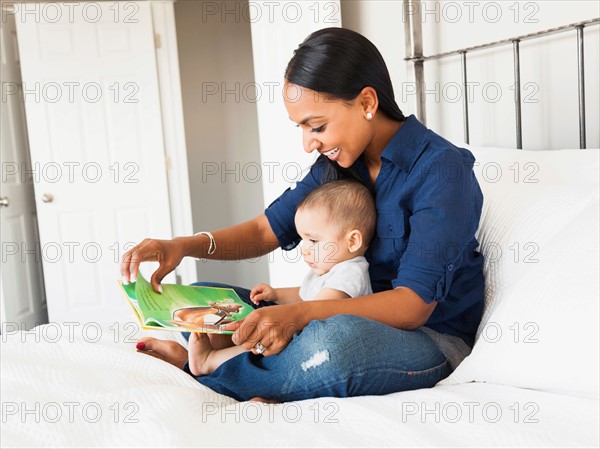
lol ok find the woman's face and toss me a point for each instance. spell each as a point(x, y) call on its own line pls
point(332, 127)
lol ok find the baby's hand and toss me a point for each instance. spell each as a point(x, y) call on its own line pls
point(263, 292)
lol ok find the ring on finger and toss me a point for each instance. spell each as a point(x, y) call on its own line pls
point(259, 347)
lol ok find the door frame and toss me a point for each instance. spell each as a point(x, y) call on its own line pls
point(169, 80)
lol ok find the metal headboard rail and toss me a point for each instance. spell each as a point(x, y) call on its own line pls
point(414, 47)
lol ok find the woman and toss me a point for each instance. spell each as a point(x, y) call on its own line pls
point(426, 274)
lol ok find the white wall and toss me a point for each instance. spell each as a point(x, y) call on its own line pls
point(548, 67)
point(381, 22)
point(244, 48)
point(215, 55)
point(274, 39)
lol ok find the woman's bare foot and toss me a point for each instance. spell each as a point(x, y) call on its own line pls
point(167, 350)
point(264, 401)
point(199, 352)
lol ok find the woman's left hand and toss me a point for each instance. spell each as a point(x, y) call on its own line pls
point(272, 326)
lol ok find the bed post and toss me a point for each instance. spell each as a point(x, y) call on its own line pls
point(414, 49)
point(517, 76)
point(463, 61)
point(581, 79)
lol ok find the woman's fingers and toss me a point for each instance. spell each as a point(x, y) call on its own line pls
point(131, 261)
point(125, 267)
point(253, 339)
point(254, 330)
point(232, 326)
point(247, 333)
point(273, 327)
point(256, 292)
point(267, 337)
point(168, 253)
point(158, 276)
point(275, 347)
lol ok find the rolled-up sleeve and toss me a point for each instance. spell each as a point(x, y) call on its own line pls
point(445, 215)
point(281, 212)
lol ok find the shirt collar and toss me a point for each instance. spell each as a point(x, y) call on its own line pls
point(406, 145)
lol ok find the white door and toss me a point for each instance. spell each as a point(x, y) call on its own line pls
point(94, 119)
point(23, 304)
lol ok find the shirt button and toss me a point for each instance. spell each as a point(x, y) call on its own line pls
point(390, 228)
point(450, 267)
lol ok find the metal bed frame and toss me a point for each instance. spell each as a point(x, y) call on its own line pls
point(414, 50)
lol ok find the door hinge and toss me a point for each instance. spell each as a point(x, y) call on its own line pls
point(157, 41)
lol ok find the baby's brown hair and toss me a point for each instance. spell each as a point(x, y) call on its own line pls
point(348, 205)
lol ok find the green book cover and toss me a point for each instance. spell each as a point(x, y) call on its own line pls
point(184, 308)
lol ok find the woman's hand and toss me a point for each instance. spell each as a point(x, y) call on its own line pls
point(263, 292)
point(272, 326)
point(168, 253)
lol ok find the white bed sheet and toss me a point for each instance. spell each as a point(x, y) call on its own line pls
point(66, 372)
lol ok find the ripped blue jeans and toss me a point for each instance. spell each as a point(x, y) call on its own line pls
point(342, 356)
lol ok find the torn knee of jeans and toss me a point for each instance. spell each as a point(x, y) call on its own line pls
point(317, 359)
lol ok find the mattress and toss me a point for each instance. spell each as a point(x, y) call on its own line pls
point(72, 386)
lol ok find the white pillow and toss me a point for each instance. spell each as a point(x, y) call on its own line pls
point(529, 196)
point(544, 333)
point(540, 242)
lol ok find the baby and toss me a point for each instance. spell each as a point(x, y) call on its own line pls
point(336, 222)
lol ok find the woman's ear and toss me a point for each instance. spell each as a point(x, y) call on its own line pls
point(355, 240)
point(368, 100)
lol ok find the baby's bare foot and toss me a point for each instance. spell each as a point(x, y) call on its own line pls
point(220, 341)
point(199, 351)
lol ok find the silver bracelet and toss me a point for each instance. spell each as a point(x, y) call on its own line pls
point(213, 246)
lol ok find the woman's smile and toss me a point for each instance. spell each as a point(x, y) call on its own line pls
point(333, 154)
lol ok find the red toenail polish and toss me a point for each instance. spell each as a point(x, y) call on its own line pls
point(140, 345)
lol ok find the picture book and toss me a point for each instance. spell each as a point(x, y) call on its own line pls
point(184, 308)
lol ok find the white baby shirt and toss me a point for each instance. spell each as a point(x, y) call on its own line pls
point(350, 276)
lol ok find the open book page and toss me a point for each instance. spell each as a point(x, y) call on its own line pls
point(184, 308)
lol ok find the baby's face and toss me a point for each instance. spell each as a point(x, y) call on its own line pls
point(322, 247)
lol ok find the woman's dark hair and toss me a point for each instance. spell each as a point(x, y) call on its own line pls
point(340, 63)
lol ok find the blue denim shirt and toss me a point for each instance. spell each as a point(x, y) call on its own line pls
point(428, 209)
